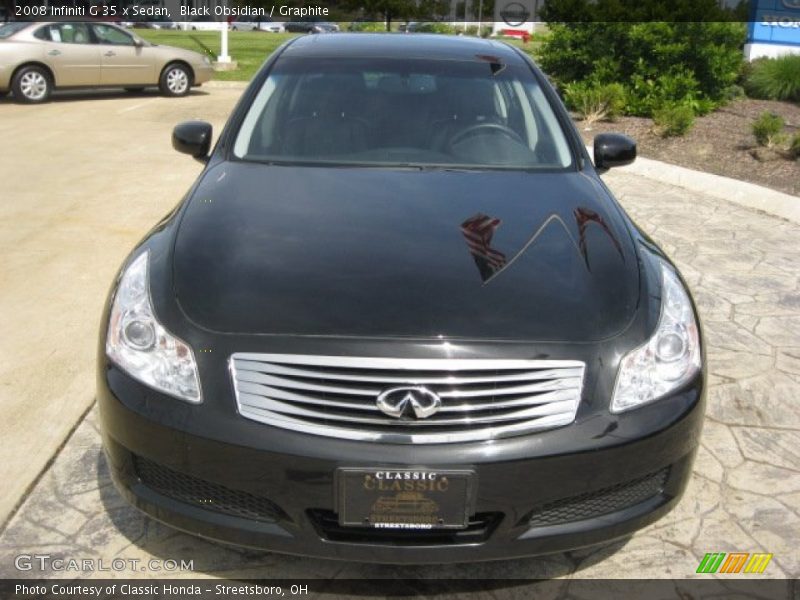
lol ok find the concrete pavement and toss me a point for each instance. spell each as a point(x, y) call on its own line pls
point(83, 178)
point(70, 224)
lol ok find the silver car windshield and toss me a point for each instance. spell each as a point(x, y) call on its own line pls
point(390, 112)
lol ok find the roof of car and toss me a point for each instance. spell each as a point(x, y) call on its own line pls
point(400, 45)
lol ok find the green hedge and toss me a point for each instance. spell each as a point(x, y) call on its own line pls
point(660, 64)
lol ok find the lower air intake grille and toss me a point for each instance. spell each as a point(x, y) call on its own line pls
point(478, 530)
point(204, 494)
point(601, 502)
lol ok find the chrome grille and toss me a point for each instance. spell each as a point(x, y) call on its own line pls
point(335, 396)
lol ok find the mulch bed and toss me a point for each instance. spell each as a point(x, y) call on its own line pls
point(721, 143)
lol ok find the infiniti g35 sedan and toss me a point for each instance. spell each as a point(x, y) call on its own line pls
point(400, 318)
point(36, 58)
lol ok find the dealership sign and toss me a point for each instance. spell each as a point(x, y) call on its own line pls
point(515, 16)
point(774, 28)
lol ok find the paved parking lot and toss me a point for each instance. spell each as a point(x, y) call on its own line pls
point(84, 178)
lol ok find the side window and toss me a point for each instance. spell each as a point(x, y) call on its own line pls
point(111, 35)
point(43, 33)
point(70, 33)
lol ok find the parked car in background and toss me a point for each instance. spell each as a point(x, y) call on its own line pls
point(410, 27)
point(311, 26)
point(36, 58)
point(262, 24)
point(400, 318)
point(203, 23)
point(150, 22)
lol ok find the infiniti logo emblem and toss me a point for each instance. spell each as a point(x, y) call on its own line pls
point(416, 401)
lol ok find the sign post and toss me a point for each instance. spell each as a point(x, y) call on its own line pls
point(223, 51)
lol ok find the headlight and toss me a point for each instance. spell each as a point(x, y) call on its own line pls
point(141, 346)
point(668, 359)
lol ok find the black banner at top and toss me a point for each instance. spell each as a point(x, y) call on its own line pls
point(510, 13)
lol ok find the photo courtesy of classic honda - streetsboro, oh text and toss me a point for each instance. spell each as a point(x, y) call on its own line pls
point(399, 318)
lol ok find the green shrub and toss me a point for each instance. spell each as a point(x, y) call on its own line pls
point(368, 26)
point(768, 129)
point(660, 62)
point(473, 31)
point(432, 27)
point(794, 147)
point(674, 121)
point(775, 78)
point(595, 102)
point(649, 94)
point(734, 92)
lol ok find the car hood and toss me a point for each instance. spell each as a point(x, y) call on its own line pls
point(395, 253)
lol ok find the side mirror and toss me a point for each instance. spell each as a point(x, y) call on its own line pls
point(138, 43)
point(613, 150)
point(193, 138)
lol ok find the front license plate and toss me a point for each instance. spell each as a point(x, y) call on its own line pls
point(404, 498)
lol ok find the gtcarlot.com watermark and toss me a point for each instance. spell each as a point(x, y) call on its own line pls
point(49, 562)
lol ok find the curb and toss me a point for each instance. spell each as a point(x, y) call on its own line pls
point(742, 193)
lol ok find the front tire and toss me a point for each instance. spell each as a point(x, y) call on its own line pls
point(176, 80)
point(32, 85)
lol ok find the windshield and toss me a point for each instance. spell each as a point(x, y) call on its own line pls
point(9, 29)
point(468, 114)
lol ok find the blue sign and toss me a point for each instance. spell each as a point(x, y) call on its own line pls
point(774, 22)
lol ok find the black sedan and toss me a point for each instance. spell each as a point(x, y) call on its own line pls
point(310, 26)
point(400, 318)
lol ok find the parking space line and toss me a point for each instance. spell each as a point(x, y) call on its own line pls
point(135, 106)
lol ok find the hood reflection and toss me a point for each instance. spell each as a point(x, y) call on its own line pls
point(478, 232)
point(479, 229)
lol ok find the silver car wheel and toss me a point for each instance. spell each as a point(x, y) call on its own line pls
point(33, 85)
point(177, 81)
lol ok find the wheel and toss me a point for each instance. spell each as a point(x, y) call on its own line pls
point(32, 84)
point(176, 80)
point(134, 90)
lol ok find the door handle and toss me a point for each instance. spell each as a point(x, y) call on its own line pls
point(110, 53)
point(54, 52)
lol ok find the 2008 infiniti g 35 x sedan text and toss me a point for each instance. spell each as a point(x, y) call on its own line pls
point(399, 318)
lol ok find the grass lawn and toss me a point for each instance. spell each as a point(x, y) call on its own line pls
point(249, 48)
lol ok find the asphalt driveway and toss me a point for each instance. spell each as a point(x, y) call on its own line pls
point(83, 178)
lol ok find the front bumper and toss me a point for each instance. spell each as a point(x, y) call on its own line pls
point(249, 484)
point(5, 78)
point(202, 73)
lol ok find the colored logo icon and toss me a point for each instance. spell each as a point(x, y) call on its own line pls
point(734, 562)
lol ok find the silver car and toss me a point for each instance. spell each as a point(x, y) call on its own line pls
point(36, 58)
